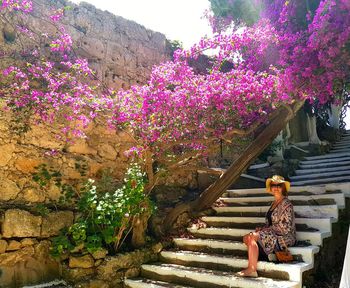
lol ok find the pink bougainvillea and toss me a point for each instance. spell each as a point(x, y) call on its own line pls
point(289, 54)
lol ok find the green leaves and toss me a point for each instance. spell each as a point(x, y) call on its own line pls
point(106, 214)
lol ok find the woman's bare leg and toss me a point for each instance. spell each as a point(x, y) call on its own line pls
point(253, 253)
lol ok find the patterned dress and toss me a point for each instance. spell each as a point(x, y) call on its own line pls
point(282, 228)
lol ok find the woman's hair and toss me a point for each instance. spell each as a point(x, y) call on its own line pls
point(284, 190)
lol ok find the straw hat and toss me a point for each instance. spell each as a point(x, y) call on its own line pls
point(276, 179)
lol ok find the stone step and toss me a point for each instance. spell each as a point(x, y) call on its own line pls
point(300, 190)
point(314, 238)
point(339, 147)
point(322, 211)
point(231, 202)
point(250, 226)
point(326, 156)
point(320, 175)
point(339, 150)
point(233, 247)
point(345, 167)
point(291, 271)
point(341, 162)
point(200, 277)
point(148, 283)
point(321, 224)
point(312, 199)
point(322, 181)
point(341, 144)
point(328, 159)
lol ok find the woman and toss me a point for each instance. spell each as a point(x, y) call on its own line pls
point(279, 230)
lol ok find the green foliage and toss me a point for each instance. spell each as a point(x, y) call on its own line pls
point(247, 11)
point(174, 45)
point(42, 210)
point(106, 216)
point(45, 174)
point(270, 150)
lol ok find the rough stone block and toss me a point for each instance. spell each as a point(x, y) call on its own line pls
point(81, 147)
point(28, 242)
point(13, 245)
point(27, 165)
point(54, 222)
point(3, 246)
point(11, 258)
point(8, 190)
point(20, 223)
point(33, 195)
point(76, 274)
point(107, 151)
point(112, 266)
point(6, 153)
point(100, 254)
point(85, 261)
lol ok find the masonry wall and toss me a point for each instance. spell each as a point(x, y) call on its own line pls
point(123, 53)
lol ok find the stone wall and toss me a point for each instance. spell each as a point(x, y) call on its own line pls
point(122, 52)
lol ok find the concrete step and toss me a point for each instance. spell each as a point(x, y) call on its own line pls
point(312, 199)
point(199, 277)
point(147, 283)
point(326, 156)
point(329, 164)
point(232, 247)
point(306, 190)
point(321, 170)
point(320, 175)
point(314, 238)
point(328, 159)
point(341, 179)
point(321, 224)
point(291, 271)
point(250, 226)
point(339, 150)
point(343, 137)
point(230, 202)
point(345, 147)
point(322, 211)
point(341, 142)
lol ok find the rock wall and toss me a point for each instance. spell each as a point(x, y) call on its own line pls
point(123, 53)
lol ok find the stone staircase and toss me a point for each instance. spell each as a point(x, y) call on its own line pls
point(213, 253)
point(214, 250)
point(333, 167)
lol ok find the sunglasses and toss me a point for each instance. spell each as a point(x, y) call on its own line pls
point(276, 185)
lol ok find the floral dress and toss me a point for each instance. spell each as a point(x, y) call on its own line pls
point(282, 228)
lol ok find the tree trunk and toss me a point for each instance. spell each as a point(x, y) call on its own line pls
point(213, 192)
point(138, 238)
point(311, 130)
point(334, 116)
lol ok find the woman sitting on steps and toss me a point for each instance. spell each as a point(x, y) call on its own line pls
point(279, 230)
